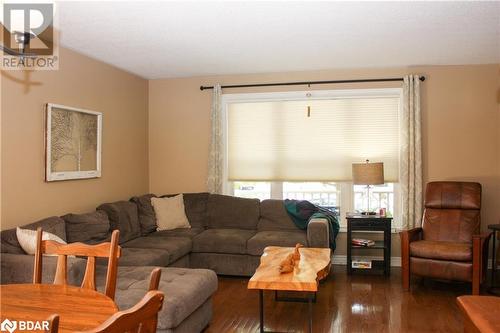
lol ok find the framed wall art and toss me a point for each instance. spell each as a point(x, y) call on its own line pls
point(73, 139)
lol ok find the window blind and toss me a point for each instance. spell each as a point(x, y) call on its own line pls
point(278, 141)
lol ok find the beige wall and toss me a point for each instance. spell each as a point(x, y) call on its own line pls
point(461, 125)
point(461, 121)
point(84, 83)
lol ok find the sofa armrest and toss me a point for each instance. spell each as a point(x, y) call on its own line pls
point(318, 233)
point(18, 268)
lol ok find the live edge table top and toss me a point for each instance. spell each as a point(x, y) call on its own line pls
point(313, 266)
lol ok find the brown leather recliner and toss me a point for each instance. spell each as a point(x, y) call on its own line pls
point(448, 246)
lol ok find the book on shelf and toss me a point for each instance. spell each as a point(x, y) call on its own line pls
point(362, 242)
point(361, 264)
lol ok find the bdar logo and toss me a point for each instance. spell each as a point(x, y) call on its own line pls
point(8, 325)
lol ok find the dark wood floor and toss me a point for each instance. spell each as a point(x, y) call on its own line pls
point(358, 303)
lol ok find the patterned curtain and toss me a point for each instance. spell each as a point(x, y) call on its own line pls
point(411, 154)
point(215, 156)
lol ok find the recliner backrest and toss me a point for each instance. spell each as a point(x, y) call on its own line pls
point(452, 211)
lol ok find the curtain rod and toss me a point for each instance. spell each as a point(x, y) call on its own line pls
point(305, 83)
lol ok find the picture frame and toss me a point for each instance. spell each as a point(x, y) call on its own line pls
point(73, 143)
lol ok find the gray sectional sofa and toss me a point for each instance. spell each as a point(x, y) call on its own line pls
point(227, 237)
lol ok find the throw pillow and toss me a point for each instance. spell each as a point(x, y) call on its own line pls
point(27, 239)
point(170, 213)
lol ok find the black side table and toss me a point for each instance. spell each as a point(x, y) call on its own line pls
point(370, 223)
point(494, 289)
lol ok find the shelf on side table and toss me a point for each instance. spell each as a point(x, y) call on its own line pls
point(378, 245)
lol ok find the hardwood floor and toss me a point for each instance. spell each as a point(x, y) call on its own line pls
point(358, 303)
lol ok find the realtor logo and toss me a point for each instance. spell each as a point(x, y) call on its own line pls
point(8, 325)
point(28, 37)
point(24, 325)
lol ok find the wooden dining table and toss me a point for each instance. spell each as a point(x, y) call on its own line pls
point(78, 309)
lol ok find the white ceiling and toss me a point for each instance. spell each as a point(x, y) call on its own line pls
point(179, 39)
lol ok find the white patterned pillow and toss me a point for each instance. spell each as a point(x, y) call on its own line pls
point(27, 239)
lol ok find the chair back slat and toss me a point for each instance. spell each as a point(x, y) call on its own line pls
point(89, 277)
point(154, 280)
point(61, 276)
point(37, 267)
point(110, 250)
point(141, 318)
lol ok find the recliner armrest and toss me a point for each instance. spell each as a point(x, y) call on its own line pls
point(407, 236)
point(318, 233)
point(410, 235)
point(480, 243)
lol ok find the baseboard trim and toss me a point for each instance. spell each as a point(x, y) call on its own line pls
point(395, 261)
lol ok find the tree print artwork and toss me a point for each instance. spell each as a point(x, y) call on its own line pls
point(74, 143)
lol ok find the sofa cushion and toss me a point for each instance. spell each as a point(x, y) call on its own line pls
point(256, 244)
point(176, 247)
point(132, 256)
point(455, 251)
point(222, 241)
point(147, 217)
point(8, 239)
point(181, 232)
point(231, 212)
point(91, 228)
point(273, 216)
point(196, 208)
point(185, 290)
point(123, 216)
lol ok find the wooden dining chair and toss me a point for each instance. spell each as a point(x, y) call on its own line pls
point(53, 323)
point(110, 250)
point(142, 317)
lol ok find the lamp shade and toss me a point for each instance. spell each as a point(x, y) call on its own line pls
point(368, 173)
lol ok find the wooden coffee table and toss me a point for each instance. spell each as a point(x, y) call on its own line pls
point(313, 266)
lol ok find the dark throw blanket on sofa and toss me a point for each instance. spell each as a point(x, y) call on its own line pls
point(302, 211)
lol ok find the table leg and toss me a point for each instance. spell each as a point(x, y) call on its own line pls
point(310, 301)
point(261, 310)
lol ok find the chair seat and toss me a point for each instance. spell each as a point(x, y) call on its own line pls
point(455, 251)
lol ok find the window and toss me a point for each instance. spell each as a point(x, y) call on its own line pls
point(322, 194)
point(381, 196)
point(301, 145)
point(259, 190)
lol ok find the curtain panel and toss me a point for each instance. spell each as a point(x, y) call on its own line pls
point(411, 154)
point(216, 152)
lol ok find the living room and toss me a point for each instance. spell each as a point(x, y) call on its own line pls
point(378, 120)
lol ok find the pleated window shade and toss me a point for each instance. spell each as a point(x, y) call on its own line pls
point(277, 141)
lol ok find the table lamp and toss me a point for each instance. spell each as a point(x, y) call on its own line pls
point(368, 174)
